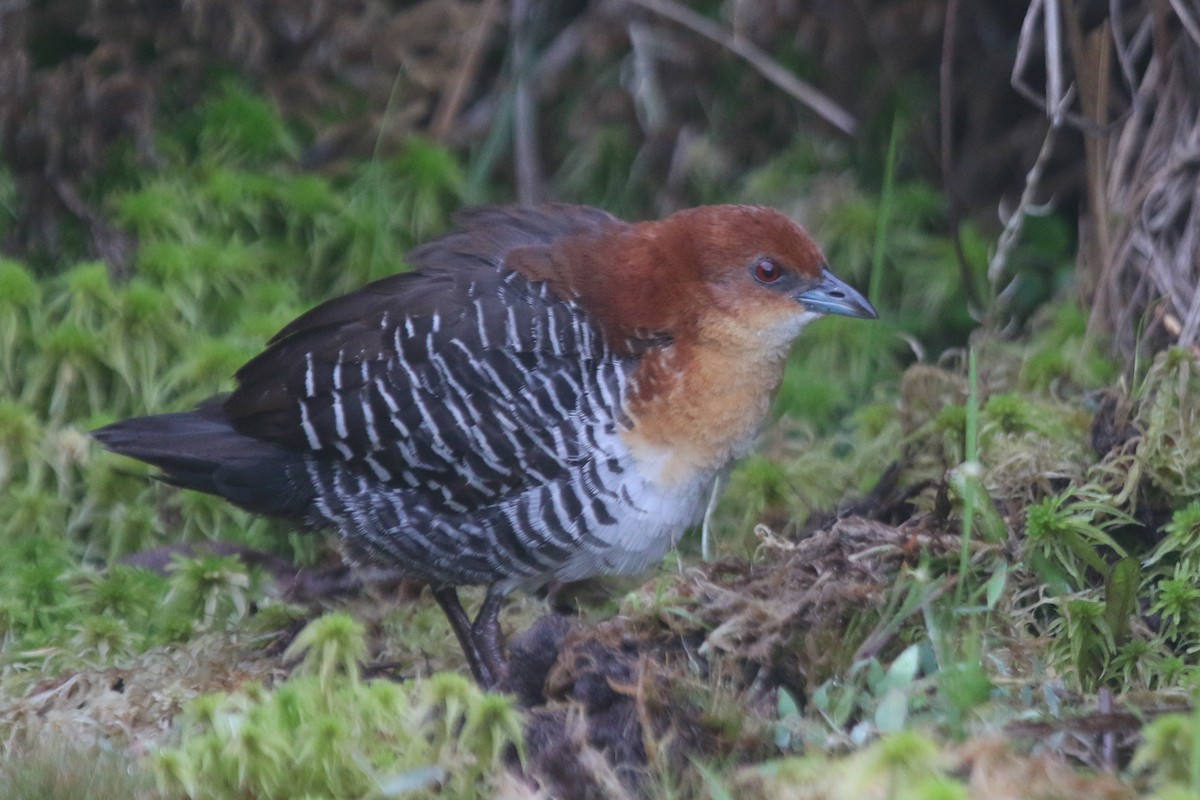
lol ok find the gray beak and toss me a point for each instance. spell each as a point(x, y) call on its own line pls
point(833, 296)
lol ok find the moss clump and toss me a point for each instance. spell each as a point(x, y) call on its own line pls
point(914, 765)
point(1169, 417)
point(328, 733)
point(1167, 759)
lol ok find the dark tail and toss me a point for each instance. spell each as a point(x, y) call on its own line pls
point(201, 450)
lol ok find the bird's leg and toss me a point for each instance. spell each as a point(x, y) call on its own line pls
point(486, 631)
point(447, 598)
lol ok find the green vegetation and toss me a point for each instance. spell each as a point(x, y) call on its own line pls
point(328, 733)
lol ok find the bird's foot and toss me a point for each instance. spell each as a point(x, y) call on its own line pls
point(482, 641)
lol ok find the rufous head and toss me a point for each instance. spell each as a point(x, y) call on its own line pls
point(764, 276)
point(740, 276)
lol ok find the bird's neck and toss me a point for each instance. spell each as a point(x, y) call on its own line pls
point(696, 408)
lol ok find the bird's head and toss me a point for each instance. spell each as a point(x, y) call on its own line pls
point(739, 277)
point(755, 275)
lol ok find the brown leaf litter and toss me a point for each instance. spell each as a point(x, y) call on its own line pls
point(649, 689)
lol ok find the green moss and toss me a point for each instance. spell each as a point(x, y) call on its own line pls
point(1065, 352)
point(18, 287)
point(1168, 758)
point(439, 737)
point(244, 126)
point(1074, 533)
point(904, 765)
point(20, 430)
point(160, 207)
point(310, 195)
point(88, 287)
point(122, 591)
point(1169, 416)
point(332, 645)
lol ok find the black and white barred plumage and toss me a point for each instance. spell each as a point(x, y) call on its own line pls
point(459, 423)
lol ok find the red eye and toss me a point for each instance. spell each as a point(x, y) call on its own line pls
point(767, 271)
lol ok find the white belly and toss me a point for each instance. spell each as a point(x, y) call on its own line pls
point(656, 506)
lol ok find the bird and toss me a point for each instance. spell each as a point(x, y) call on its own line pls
point(549, 393)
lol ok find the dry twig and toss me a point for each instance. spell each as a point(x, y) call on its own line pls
point(451, 103)
point(525, 145)
point(769, 68)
